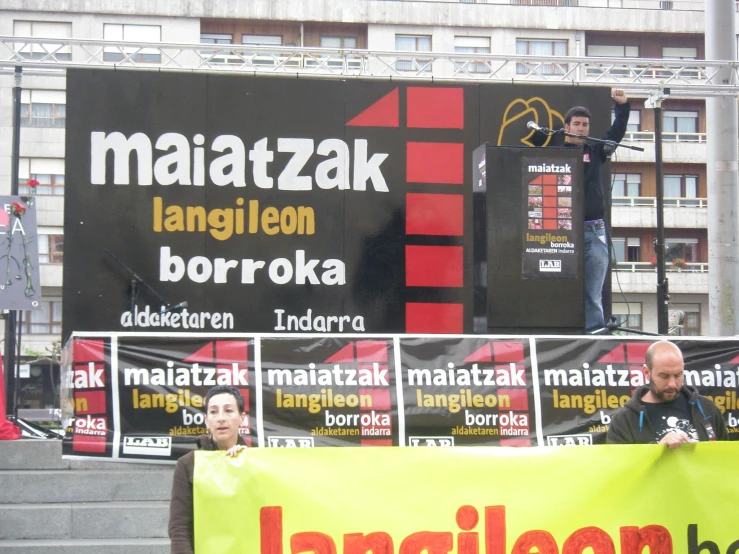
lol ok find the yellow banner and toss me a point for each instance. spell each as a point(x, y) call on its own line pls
point(569, 500)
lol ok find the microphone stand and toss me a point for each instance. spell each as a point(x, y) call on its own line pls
point(136, 284)
point(612, 144)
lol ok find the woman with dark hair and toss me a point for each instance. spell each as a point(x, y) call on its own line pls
point(224, 411)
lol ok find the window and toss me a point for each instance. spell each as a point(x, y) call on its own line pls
point(628, 315)
point(44, 29)
point(673, 53)
point(471, 45)
point(47, 320)
point(680, 186)
point(626, 185)
point(413, 43)
point(627, 249)
point(262, 40)
point(603, 51)
point(132, 33)
point(43, 108)
point(263, 58)
point(692, 322)
point(220, 56)
point(532, 47)
point(670, 53)
point(634, 124)
point(338, 43)
point(50, 249)
point(687, 249)
point(49, 172)
point(680, 125)
point(616, 51)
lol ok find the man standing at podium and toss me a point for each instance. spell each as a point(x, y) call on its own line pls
point(597, 255)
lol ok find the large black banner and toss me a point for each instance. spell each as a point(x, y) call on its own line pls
point(329, 392)
point(582, 383)
point(280, 205)
point(472, 391)
point(134, 396)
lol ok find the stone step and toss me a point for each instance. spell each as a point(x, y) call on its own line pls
point(89, 520)
point(31, 454)
point(115, 485)
point(89, 546)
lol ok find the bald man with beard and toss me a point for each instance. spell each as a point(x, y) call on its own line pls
point(666, 411)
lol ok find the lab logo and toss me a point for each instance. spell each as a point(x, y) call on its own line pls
point(147, 446)
point(554, 266)
point(290, 442)
point(569, 440)
point(431, 442)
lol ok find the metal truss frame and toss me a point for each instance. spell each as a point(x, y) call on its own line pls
point(692, 78)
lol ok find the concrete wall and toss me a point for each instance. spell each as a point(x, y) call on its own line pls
point(390, 12)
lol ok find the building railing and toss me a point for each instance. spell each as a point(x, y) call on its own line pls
point(674, 5)
point(651, 202)
point(635, 267)
point(648, 136)
point(694, 78)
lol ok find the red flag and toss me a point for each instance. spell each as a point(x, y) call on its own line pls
point(8, 431)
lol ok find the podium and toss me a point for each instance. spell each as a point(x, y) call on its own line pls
point(528, 247)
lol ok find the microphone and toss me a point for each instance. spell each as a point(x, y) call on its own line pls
point(176, 308)
point(535, 127)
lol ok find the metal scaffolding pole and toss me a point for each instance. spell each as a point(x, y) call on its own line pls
point(11, 378)
point(723, 200)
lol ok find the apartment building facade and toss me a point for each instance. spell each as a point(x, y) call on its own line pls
point(630, 29)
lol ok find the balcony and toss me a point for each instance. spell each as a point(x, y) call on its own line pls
point(641, 212)
point(676, 147)
point(641, 278)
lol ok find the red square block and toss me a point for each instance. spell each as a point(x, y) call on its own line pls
point(550, 190)
point(433, 266)
point(89, 402)
point(371, 351)
point(518, 398)
point(550, 201)
point(380, 399)
point(434, 214)
point(88, 444)
point(228, 351)
point(636, 352)
point(508, 351)
point(515, 442)
point(376, 442)
point(84, 350)
point(550, 224)
point(435, 162)
point(245, 394)
point(421, 317)
point(435, 108)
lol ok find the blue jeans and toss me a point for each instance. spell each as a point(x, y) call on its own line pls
point(596, 269)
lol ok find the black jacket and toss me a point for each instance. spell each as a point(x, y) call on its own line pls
point(631, 425)
point(595, 198)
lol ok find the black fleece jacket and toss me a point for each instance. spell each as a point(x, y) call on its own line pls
point(595, 197)
point(631, 425)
